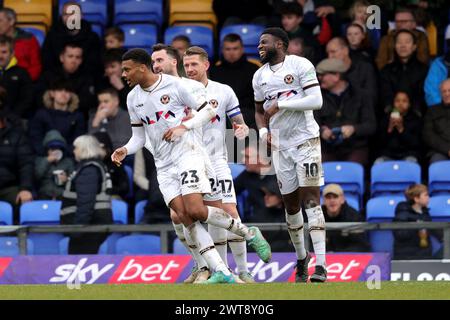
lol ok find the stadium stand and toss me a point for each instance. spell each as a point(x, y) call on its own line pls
point(440, 208)
point(40, 212)
point(393, 177)
point(120, 211)
point(32, 12)
point(349, 175)
point(109, 245)
point(6, 213)
point(199, 35)
point(178, 247)
point(138, 244)
point(39, 33)
point(138, 11)
point(236, 169)
point(439, 178)
point(94, 11)
point(9, 247)
point(249, 33)
point(139, 35)
point(139, 211)
point(188, 12)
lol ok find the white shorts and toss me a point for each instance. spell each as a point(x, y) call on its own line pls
point(189, 175)
point(224, 181)
point(299, 166)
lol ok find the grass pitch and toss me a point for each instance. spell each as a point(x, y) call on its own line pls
point(266, 291)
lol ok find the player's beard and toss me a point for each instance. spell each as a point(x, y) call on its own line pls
point(270, 55)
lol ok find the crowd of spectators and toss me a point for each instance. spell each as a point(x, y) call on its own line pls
point(380, 84)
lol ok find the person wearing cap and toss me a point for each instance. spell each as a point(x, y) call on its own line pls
point(286, 93)
point(16, 159)
point(60, 112)
point(347, 118)
point(336, 209)
point(52, 170)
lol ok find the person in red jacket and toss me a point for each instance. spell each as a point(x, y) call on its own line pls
point(26, 46)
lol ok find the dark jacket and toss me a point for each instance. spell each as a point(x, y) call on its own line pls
point(408, 77)
point(364, 76)
point(406, 245)
point(16, 158)
point(58, 36)
point(87, 182)
point(83, 84)
point(398, 145)
point(69, 123)
point(43, 170)
point(28, 53)
point(339, 241)
point(18, 84)
point(436, 130)
point(351, 108)
point(105, 84)
point(238, 76)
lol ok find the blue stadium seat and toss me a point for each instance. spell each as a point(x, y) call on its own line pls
point(6, 213)
point(109, 245)
point(46, 243)
point(353, 202)
point(349, 175)
point(40, 212)
point(139, 244)
point(149, 11)
point(64, 246)
point(393, 177)
point(129, 171)
point(382, 209)
point(139, 211)
point(139, 35)
point(249, 33)
point(119, 211)
point(440, 208)
point(178, 247)
point(38, 33)
point(94, 11)
point(236, 169)
point(9, 246)
point(439, 178)
point(199, 35)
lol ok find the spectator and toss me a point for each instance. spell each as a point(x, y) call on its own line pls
point(264, 202)
point(336, 209)
point(400, 132)
point(360, 73)
point(15, 80)
point(51, 171)
point(359, 43)
point(236, 71)
point(436, 133)
point(405, 73)
point(297, 47)
point(346, 119)
point(114, 39)
point(112, 62)
point(16, 160)
point(145, 178)
point(83, 83)
point(119, 178)
point(181, 43)
point(60, 34)
point(413, 244)
point(87, 197)
point(250, 11)
point(26, 46)
point(110, 118)
point(60, 112)
point(404, 19)
point(439, 71)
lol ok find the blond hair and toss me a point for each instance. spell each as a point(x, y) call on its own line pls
point(414, 191)
point(89, 148)
point(195, 50)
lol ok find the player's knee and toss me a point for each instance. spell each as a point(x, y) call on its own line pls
point(197, 211)
point(292, 209)
point(174, 217)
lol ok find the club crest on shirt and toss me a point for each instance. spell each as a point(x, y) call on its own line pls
point(289, 79)
point(165, 99)
point(214, 103)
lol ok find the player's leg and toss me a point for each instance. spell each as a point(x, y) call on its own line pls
point(285, 168)
point(200, 270)
point(218, 234)
point(310, 175)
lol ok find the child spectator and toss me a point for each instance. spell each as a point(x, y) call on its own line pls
point(400, 132)
point(51, 171)
point(413, 244)
point(114, 38)
point(359, 43)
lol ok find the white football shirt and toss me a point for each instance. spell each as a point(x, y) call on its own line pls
point(160, 108)
point(287, 81)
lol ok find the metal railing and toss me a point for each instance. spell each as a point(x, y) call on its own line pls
point(164, 230)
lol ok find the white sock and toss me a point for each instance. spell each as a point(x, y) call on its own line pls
point(219, 236)
point(180, 234)
point(316, 224)
point(238, 247)
point(219, 218)
point(295, 228)
point(201, 263)
point(203, 241)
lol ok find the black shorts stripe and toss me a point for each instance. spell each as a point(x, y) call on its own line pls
point(310, 86)
point(137, 125)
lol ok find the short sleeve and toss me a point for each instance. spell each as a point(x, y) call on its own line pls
point(259, 94)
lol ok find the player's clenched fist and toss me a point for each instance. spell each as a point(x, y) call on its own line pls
point(118, 156)
point(240, 131)
point(174, 133)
